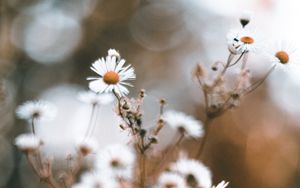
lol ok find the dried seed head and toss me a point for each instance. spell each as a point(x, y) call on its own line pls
point(111, 78)
point(84, 150)
point(153, 139)
point(162, 101)
point(142, 93)
point(282, 56)
point(247, 40)
point(199, 71)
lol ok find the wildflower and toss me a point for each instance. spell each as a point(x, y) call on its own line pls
point(96, 180)
point(38, 110)
point(222, 184)
point(94, 98)
point(117, 160)
point(113, 76)
point(194, 172)
point(184, 123)
point(170, 180)
point(87, 146)
point(27, 142)
point(241, 41)
point(283, 55)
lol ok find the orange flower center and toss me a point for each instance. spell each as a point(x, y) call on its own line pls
point(111, 78)
point(282, 56)
point(247, 39)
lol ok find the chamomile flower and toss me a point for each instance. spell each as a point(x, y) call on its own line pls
point(184, 123)
point(27, 142)
point(39, 110)
point(87, 146)
point(222, 184)
point(283, 55)
point(194, 172)
point(96, 180)
point(117, 160)
point(242, 40)
point(112, 76)
point(93, 98)
point(170, 180)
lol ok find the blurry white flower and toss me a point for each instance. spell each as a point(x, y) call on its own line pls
point(39, 110)
point(184, 123)
point(93, 98)
point(96, 180)
point(88, 146)
point(168, 179)
point(113, 52)
point(117, 160)
point(27, 142)
point(222, 184)
point(242, 40)
point(194, 172)
point(113, 76)
point(283, 55)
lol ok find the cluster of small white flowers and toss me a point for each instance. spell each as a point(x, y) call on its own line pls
point(40, 110)
point(27, 142)
point(185, 123)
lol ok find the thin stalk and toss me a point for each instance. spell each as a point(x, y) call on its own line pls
point(90, 122)
point(207, 125)
point(93, 127)
point(143, 169)
point(32, 125)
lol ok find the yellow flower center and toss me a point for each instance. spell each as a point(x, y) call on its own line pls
point(282, 56)
point(111, 78)
point(247, 39)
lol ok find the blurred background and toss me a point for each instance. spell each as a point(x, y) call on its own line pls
point(47, 47)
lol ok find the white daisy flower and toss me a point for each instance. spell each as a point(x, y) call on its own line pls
point(194, 172)
point(242, 40)
point(184, 123)
point(283, 55)
point(93, 98)
point(222, 184)
point(27, 142)
point(170, 180)
point(113, 52)
point(87, 146)
point(113, 76)
point(96, 180)
point(39, 110)
point(118, 160)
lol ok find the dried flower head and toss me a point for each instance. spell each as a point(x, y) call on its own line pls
point(184, 123)
point(93, 98)
point(113, 76)
point(88, 146)
point(39, 110)
point(170, 180)
point(27, 142)
point(194, 172)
